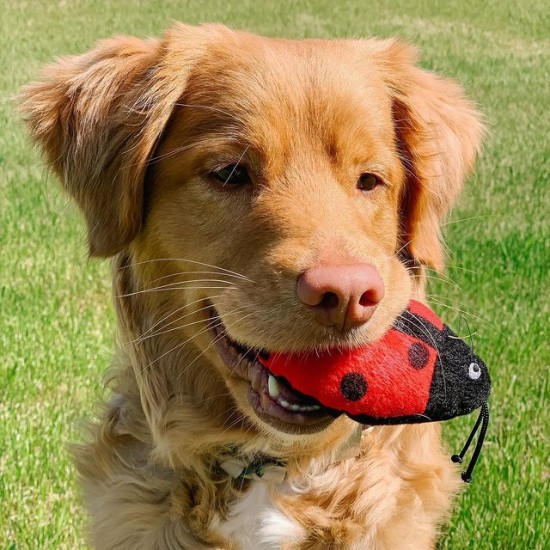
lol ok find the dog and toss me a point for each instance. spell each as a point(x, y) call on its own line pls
point(254, 195)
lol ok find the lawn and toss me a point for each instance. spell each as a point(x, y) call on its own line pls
point(56, 321)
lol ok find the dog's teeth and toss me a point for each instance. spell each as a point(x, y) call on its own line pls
point(296, 408)
point(273, 387)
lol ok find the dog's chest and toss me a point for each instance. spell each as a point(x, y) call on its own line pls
point(256, 523)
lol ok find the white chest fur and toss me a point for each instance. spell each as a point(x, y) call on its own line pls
point(256, 523)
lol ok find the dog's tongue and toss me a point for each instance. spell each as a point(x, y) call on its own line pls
point(371, 380)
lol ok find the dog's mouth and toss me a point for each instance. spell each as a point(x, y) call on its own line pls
point(272, 399)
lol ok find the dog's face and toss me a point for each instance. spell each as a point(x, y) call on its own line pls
point(270, 190)
point(287, 164)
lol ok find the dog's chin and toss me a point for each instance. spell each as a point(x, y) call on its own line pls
point(259, 395)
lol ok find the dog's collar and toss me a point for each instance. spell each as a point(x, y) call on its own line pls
point(261, 468)
point(265, 468)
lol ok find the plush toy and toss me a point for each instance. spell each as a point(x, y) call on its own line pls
point(419, 371)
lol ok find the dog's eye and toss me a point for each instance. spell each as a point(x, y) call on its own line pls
point(232, 174)
point(367, 182)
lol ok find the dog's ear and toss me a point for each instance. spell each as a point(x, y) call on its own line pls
point(438, 133)
point(98, 117)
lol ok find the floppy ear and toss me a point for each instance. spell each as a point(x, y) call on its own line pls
point(98, 117)
point(438, 134)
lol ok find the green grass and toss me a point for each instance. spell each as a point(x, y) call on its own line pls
point(56, 331)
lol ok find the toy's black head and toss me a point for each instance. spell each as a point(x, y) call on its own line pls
point(461, 381)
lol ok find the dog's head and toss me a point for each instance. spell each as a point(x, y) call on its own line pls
point(266, 195)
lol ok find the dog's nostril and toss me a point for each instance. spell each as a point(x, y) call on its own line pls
point(369, 299)
point(329, 301)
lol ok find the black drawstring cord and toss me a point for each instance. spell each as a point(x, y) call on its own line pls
point(459, 457)
point(483, 421)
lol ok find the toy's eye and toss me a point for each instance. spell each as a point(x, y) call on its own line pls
point(474, 371)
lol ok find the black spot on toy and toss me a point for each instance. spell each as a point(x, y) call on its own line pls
point(418, 355)
point(353, 386)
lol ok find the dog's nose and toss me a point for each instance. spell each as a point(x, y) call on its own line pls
point(341, 295)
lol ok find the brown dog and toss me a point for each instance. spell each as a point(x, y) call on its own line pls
point(256, 195)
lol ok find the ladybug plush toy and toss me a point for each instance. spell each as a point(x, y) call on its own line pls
point(419, 371)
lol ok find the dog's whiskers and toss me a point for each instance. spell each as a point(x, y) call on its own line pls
point(148, 334)
point(451, 222)
point(206, 329)
point(466, 270)
point(201, 272)
point(181, 327)
point(433, 298)
point(180, 345)
point(142, 262)
point(405, 245)
point(238, 418)
point(215, 341)
point(439, 278)
point(423, 328)
point(167, 331)
point(248, 349)
point(235, 166)
point(174, 312)
point(176, 151)
point(178, 286)
point(217, 396)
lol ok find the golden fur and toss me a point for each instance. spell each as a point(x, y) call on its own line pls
point(132, 128)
